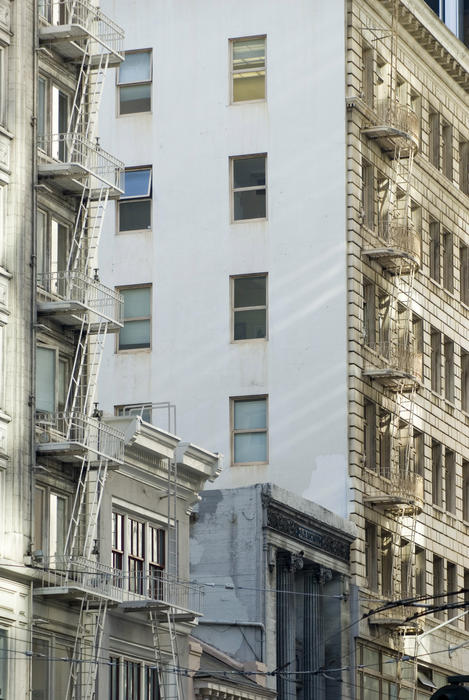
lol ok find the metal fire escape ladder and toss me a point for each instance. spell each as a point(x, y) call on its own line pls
point(88, 640)
point(166, 656)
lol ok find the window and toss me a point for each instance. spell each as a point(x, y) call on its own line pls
point(465, 381)
point(435, 360)
point(450, 481)
point(369, 437)
point(139, 553)
point(136, 333)
point(465, 490)
point(448, 347)
point(132, 680)
point(419, 454)
point(447, 150)
point(368, 75)
point(134, 82)
point(53, 106)
point(53, 245)
point(464, 267)
point(50, 523)
point(52, 372)
point(435, 251)
point(384, 445)
point(384, 203)
point(420, 571)
point(464, 166)
point(377, 676)
point(248, 187)
point(406, 569)
point(417, 345)
point(448, 261)
point(249, 430)
point(135, 203)
point(452, 585)
point(371, 562)
point(369, 314)
point(3, 89)
point(434, 139)
point(386, 562)
point(249, 294)
point(248, 69)
point(3, 664)
point(368, 194)
point(437, 473)
point(143, 410)
point(438, 583)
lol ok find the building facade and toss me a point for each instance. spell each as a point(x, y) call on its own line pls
point(317, 313)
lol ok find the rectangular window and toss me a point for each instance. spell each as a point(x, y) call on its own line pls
point(249, 295)
point(465, 381)
point(136, 202)
point(369, 437)
point(45, 379)
point(435, 358)
point(435, 251)
point(134, 82)
point(434, 139)
point(420, 571)
point(386, 562)
point(419, 454)
point(438, 583)
point(114, 677)
point(466, 598)
point(464, 268)
point(447, 150)
point(464, 166)
point(450, 481)
point(132, 680)
point(417, 345)
point(117, 541)
point(50, 523)
point(369, 314)
point(368, 195)
point(131, 684)
point(448, 346)
point(248, 182)
point(136, 557)
point(406, 569)
point(437, 473)
point(53, 246)
point(385, 443)
point(3, 664)
point(249, 430)
point(248, 69)
point(371, 562)
point(448, 261)
point(136, 333)
point(465, 490)
point(368, 75)
point(452, 585)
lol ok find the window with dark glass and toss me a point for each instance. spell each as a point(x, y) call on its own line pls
point(249, 307)
point(135, 202)
point(248, 187)
point(134, 82)
point(136, 333)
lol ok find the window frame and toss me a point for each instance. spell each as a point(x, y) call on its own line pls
point(236, 431)
point(43, 542)
point(234, 189)
point(49, 219)
point(137, 318)
point(4, 665)
point(120, 84)
point(234, 71)
point(234, 309)
point(59, 358)
point(56, 151)
point(118, 689)
point(137, 198)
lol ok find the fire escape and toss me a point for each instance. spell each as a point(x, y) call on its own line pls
point(393, 360)
point(73, 165)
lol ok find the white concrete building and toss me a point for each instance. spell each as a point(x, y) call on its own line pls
point(292, 248)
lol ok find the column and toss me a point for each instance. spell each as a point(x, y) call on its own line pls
point(287, 564)
point(313, 631)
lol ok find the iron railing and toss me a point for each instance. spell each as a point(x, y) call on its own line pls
point(83, 14)
point(391, 114)
point(397, 483)
point(75, 150)
point(398, 233)
point(89, 433)
point(396, 356)
point(119, 586)
point(77, 287)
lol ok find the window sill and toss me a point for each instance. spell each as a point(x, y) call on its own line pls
point(249, 340)
point(133, 114)
point(129, 350)
point(248, 221)
point(248, 464)
point(136, 230)
point(232, 103)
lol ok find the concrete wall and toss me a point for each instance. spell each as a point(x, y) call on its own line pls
point(193, 249)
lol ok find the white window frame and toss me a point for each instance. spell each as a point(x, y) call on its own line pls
point(47, 492)
point(234, 309)
point(236, 431)
point(138, 82)
point(247, 189)
point(50, 218)
point(137, 198)
point(59, 357)
point(139, 318)
point(51, 118)
point(234, 71)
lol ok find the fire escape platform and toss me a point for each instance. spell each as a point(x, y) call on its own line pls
point(63, 39)
point(394, 260)
point(73, 453)
point(70, 314)
point(71, 177)
point(394, 379)
point(387, 137)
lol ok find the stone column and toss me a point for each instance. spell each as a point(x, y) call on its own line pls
point(287, 564)
point(313, 631)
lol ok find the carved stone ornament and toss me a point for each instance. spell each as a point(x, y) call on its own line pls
point(5, 15)
point(289, 526)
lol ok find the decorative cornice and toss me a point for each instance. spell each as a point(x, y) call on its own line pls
point(288, 524)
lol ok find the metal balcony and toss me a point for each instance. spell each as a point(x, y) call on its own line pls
point(72, 162)
point(394, 489)
point(396, 618)
point(74, 577)
point(72, 295)
point(394, 126)
point(75, 27)
point(72, 436)
point(398, 247)
point(393, 364)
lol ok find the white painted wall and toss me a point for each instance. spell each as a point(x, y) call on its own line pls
point(193, 248)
